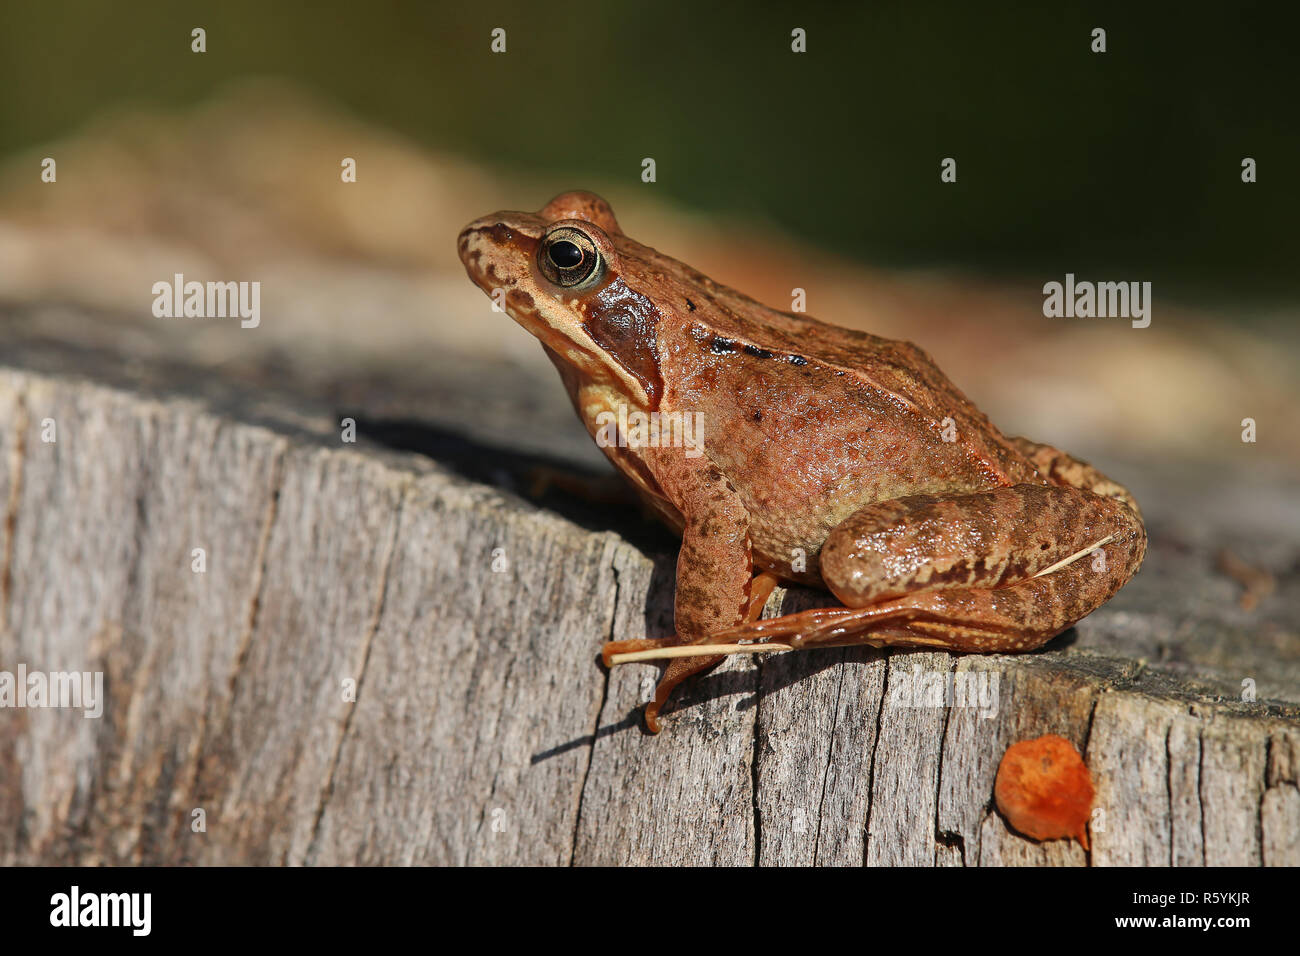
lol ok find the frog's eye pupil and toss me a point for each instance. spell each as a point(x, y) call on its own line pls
point(565, 254)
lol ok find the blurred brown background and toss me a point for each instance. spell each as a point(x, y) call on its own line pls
point(775, 170)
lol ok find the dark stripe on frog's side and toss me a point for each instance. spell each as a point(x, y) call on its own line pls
point(624, 323)
point(723, 346)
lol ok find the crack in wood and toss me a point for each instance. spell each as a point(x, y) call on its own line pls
point(197, 783)
point(830, 755)
point(381, 600)
point(1094, 699)
point(756, 823)
point(17, 460)
point(1169, 786)
point(600, 707)
point(886, 658)
point(938, 770)
point(246, 638)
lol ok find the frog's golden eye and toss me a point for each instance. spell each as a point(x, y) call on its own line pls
point(569, 258)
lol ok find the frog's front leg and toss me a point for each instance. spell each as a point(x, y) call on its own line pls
point(716, 587)
point(974, 572)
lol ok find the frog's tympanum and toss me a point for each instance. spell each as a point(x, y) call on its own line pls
point(786, 449)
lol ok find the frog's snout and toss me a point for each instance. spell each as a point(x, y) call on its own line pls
point(495, 249)
point(462, 243)
point(476, 250)
point(472, 243)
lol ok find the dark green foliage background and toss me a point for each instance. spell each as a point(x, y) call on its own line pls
point(1121, 166)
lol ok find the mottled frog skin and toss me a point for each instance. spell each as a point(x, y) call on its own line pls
point(831, 457)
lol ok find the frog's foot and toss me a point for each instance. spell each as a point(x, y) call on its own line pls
point(678, 670)
point(681, 668)
point(760, 589)
point(816, 626)
point(594, 489)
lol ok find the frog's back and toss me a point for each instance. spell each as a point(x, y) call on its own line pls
point(811, 422)
point(728, 321)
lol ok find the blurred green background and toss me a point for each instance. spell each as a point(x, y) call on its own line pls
point(1124, 165)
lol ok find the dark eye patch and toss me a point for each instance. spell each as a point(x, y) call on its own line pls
point(624, 323)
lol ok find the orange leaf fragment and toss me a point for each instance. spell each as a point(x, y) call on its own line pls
point(1044, 789)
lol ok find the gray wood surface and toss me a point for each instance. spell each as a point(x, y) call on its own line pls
point(484, 731)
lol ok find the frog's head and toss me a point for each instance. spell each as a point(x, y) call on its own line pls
point(562, 274)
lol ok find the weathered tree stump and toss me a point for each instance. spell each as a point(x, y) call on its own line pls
point(483, 729)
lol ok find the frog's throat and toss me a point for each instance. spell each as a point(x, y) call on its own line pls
point(572, 347)
point(601, 406)
point(592, 370)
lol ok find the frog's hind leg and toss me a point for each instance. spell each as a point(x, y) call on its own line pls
point(1014, 618)
point(1003, 570)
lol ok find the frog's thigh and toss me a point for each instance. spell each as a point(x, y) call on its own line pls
point(982, 540)
point(1062, 468)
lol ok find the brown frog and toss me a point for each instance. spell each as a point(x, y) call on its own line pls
point(786, 449)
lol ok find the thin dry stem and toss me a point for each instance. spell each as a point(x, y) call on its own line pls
point(1076, 556)
point(695, 650)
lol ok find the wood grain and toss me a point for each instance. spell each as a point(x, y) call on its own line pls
point(385, 663)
